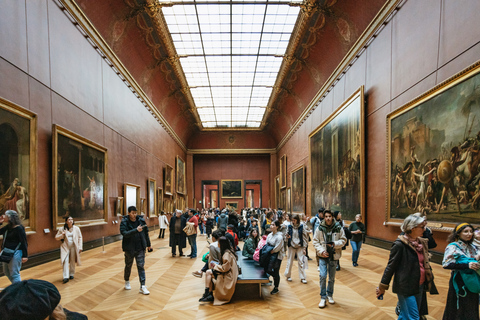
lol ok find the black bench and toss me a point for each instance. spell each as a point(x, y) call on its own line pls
point(251, 272)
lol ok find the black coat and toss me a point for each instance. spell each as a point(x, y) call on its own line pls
point(183, 236)
point(209, 225)
point(131, 235)
point(403, 262)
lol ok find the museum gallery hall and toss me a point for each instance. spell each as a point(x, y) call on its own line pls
point(365, 107)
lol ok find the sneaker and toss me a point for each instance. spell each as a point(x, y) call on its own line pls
point(197, 274)
point(65, 280)
point(330, 300)
point(338, 267)
point(144, 290)
point(127, 285)
point(322, 303)
point(397, 310)
point(289, 279)
point(274, 291)
point(318, 269)
point(71, 277)
point(304, 281)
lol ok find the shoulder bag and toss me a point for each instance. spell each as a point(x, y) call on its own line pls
point(189, 228)
point(6, 254)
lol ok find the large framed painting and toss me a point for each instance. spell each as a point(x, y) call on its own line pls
point(131, 194)
point(283, 171)
point(250, 198)
point(337, 160)
point(160, 207)
point(168, 180)
point(277, 191)
point(213, 198)
point(232, 188)
point(289, 200)
point(298, 190)
point(152, 197)
point(18, 162)
point(180, 176)
point(433, 154)
point(79, 179)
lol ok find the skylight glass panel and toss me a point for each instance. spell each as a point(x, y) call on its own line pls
point(219, 46)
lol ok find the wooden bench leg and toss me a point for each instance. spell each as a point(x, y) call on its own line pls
point(260, 287)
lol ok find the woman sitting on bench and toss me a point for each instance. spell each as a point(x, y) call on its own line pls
point(223, 276)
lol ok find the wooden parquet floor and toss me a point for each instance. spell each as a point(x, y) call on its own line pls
point(98, 288)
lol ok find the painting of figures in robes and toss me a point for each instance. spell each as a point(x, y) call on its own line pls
point(80, 176)
point(336, 159)
point(434, 153)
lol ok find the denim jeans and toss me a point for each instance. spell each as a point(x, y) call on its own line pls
point(356, 245)
point(192, 241)
point(409, 306)
point(327, 266)
point(12, 269)
point(139, 256)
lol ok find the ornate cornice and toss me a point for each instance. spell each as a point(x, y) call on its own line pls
point(76, 15)
point(231, 151)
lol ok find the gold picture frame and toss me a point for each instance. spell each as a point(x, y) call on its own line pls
point(232, 206)
point(160, 204)
point(231, 188)
point(298, 190)
point(119, 206)
point(337, 165)
point(289, 200)
point(277, 191)
point(439, 160)
point(131, 193)
point(180, 176)
point(143, 207)
point(152, 197)
point(168, 180)
point(283, 171)
point(80, 179)
point(20, 182)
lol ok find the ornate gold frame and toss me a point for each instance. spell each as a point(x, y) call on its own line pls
point(289, 200)
point(294, 172)
point(32, 174)
point(446, 85)
point(152, 212)
point(168, 174)
point(358, 94)
point(231, 204)
point(283, 171)
point(160, 205)
point(58, 130)
point(180, 180)
point(231, 197)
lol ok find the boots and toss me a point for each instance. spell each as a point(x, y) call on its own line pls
point(207, 296)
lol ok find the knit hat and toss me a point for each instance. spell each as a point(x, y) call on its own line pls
point(28, 299)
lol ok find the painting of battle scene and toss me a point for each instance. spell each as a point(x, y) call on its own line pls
point(80, 179)
point(336, 159)
point(17, 162)
point(434, 153)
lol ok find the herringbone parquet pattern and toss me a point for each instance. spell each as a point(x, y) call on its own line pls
point(98, 289)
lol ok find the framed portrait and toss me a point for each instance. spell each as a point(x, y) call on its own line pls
point(119, 206)
point(231, 206)
point(433, 154)
point(160, 206)
point(289, 200)
point(18, 162)
point(79, 179)
point(337, 160)
point(283, 201)
point(152, 197)
point(277, 191)
point(283, 171)
point(166, 206)
point(131, 194)
point(180, 175)
point(232, 188)
point(298, 190)
point(168, 180)
point(143, 207)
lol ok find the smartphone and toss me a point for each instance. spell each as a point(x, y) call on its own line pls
point(380, 297)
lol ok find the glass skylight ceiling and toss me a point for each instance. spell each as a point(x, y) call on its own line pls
point(231, 53)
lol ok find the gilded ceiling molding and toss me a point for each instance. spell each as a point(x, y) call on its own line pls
point(373, 29)
point(231, 151)
point(76, 15)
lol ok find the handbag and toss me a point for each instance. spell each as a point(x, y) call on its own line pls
point(189, 228)
point(6, 254)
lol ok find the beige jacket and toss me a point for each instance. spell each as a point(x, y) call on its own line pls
point(226, 280)
point(77, 242)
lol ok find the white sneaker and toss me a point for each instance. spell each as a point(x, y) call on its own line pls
point(144, 290)
point(322, 303)
point(330, 300)
point(127, 285)
point(318, 269)
point(289, 279)
point(304, 280)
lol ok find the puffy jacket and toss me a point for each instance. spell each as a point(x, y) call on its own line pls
point(222, 221)
point(249, 248)
point(131, 235)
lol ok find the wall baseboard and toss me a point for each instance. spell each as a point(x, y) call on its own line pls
point(44, 257)
point(437, 257)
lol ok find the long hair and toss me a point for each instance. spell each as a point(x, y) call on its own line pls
point(255, 239)
point(225, 246)
point(65, 226)
point(455, 235)
point(13, 218)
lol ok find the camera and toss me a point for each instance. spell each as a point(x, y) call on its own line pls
point(330, 250)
